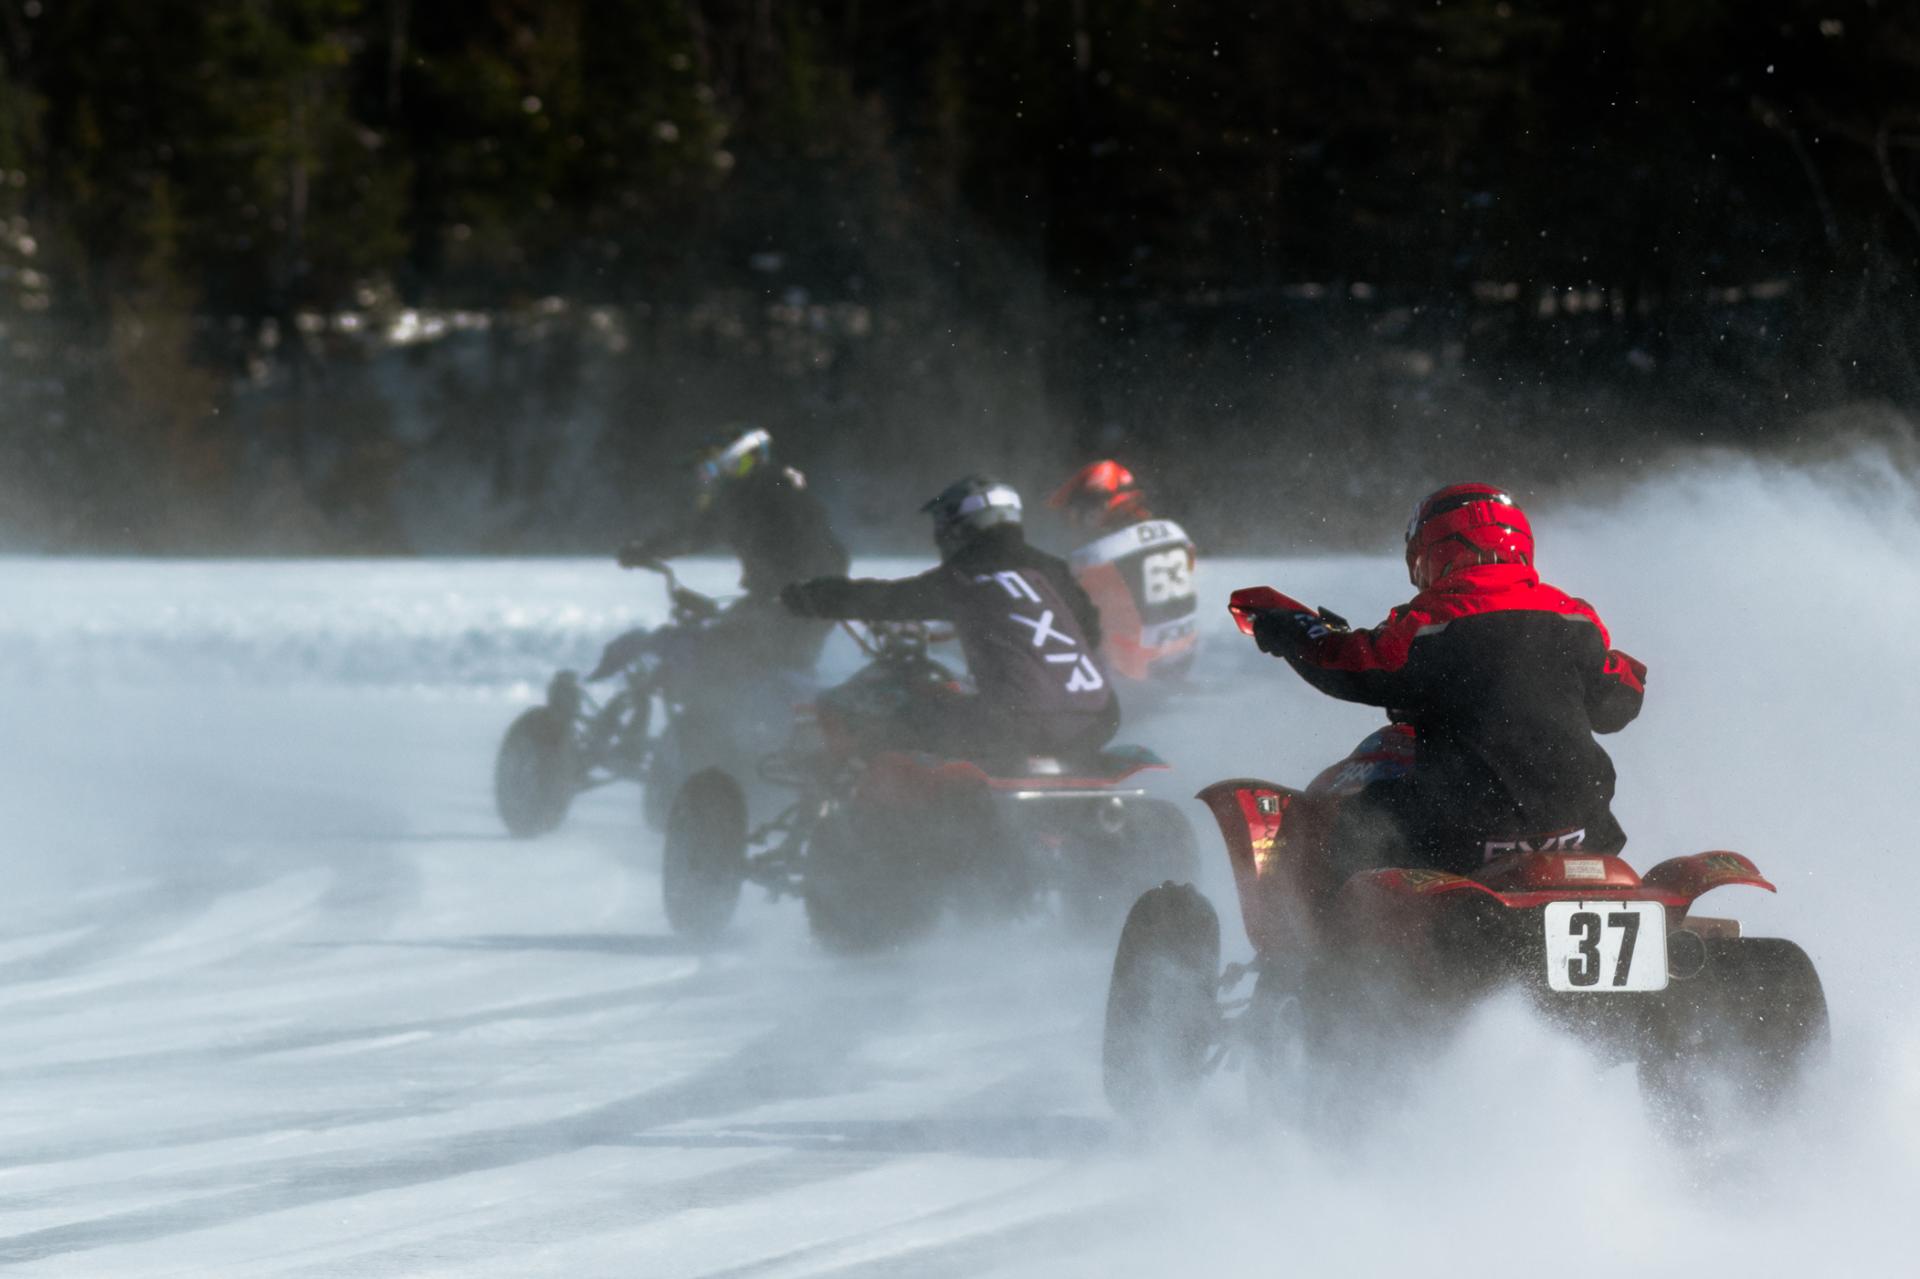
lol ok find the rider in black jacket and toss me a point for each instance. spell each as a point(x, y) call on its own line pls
point(765, 514)
point(1029, 631)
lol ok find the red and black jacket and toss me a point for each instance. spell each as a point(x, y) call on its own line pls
point(1505, 681)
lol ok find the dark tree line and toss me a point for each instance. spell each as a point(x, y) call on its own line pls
point(1145, 214)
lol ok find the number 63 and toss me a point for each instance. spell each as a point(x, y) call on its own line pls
point(1167, 576)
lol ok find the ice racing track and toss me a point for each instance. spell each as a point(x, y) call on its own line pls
point(279, 998)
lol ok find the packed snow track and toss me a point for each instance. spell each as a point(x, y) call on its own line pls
point(280, 998)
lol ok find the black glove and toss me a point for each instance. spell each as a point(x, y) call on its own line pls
point(1333, 621)
point(636, 554)
point(798, 600)
point(1282, 633)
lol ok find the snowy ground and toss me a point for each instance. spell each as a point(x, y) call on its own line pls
point(278, 998)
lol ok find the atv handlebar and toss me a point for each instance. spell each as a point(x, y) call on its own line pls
point(880, 640)
point(1249, 602)
point(689, 605)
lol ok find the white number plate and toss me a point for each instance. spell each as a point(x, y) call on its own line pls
point(1606, 946)
point(1167, 576)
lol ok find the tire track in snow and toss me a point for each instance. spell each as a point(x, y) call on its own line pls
point(801, 1156)
point(799, 1058)
point(222, 928)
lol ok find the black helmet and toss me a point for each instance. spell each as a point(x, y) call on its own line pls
point(967, 507)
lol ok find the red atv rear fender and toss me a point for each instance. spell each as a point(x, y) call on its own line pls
point(904, 779)
point(1522, 880)
point(1689, 877)
point(1400, 904)
point(1275, 837)
point(1276, 841)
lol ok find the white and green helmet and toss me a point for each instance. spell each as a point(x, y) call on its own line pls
point(734, 459)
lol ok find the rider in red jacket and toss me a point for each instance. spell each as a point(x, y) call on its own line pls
point(1504, 680)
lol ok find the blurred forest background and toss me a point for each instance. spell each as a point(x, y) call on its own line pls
point(477, 275)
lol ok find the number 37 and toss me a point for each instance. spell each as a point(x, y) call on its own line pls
point(1584, 966)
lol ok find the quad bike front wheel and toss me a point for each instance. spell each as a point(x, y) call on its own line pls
point(1163, 1016)
point(704, 861)
point(1744, 1030)
point(669, 765)
point(534, 773)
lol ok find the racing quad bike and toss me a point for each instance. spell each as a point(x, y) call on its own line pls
point(1352, 978)
point(880, 840)
point(576, 742)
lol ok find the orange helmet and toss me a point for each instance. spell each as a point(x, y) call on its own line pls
point(1100, 492)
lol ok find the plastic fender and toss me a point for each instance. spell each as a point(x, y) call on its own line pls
point(1121, 761)
point(621, 652)
point(1392, 912)
point(1275, 839)
point(1249, 601)
point(899, 778)
point(1690, 876)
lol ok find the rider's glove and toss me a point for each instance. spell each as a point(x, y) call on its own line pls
point(797, 599)
point(635, 554)
point(1281, 632)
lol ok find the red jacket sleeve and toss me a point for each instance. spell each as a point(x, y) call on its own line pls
point(1363, 666)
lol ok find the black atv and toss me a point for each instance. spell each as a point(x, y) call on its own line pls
point(667, 678)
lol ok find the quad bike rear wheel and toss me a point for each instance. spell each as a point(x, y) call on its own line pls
point(1323, 1045)
point(704, 861)
point(1163, 1016)
point(863, 891)
point(534, 774)
point(1745, 1029)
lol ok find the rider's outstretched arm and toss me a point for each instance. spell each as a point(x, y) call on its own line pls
point(1369, 666)
point(910, 599)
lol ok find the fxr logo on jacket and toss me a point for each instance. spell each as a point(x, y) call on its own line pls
point(1082, 675)
point(1570, 841)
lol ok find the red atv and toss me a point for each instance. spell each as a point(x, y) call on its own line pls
point(880, 841)
point(1351, 977)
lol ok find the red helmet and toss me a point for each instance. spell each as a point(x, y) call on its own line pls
point(1462, 525)
point(1098, 492)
